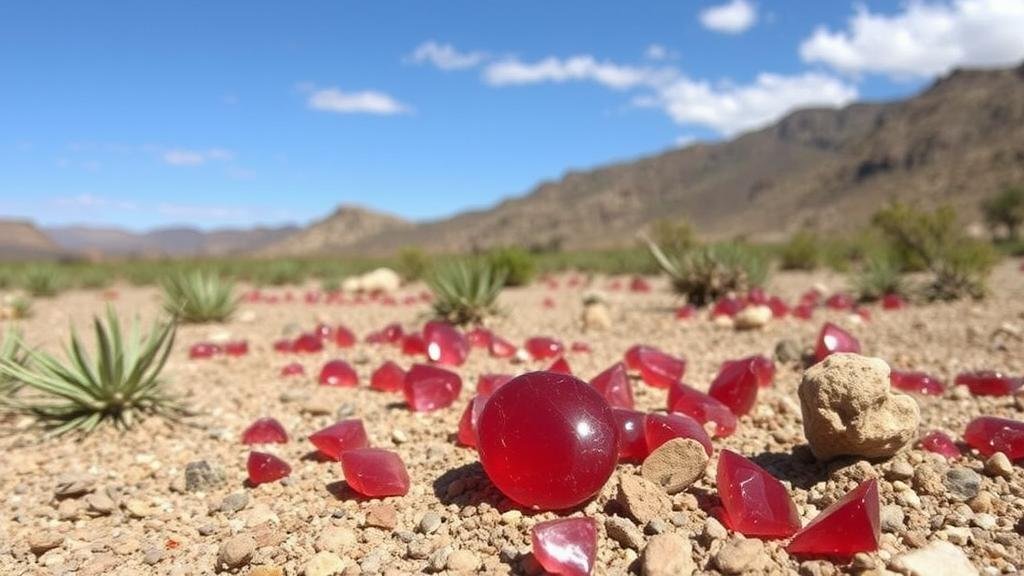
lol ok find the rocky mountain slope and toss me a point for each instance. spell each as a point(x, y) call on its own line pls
point(178, 241)
point(347, 227)
point(22, 240)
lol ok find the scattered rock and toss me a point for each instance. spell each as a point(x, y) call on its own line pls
point(668, 555)
point(335, 539)
point(266, 571)
point(463, 561)
point(324, 564)
point(73, 486)
point(44, 541)
point(998, 464)
point(624, 532)
point(849, 409)
point(137, 508)
point(676, 464)
point(379, 280)
point(201, 476)
point(962, 483)
point(100, 504)
point(738, 556)
point(596, 316)
point(153, 555)
point(787, 351)
point(429, 523)
point(752, 317)
point(381, 516)
point(642, 499)
point(936, 559)
point(234, 502)
point(236, 552)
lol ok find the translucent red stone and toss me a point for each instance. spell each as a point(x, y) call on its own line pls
point(374, 472)
point(736, 386)
point(265, 431)
point(989, 435)
point(292, 369)
point(479, 337)
point(756, 503)
point(989, 383)
point(543, 348)
point(638, 284)
point(918, 382)
point(657, 368)
point(840, 301)
point(488, 383)
point(893, 302)
point(203, 350)
point(339, 437)
point(389, 377)
point(338, 373)
point(263, 468)
point(660, 428)
point(847, 527)
point(757, 295)
point(392, 333)
point(470, 416)
point(343, 337)
point(560, 366)
point(236, 348)
point(565, 546)
point(501, 348)
point(726, 307)
point(547, 441)
point(614, 386)
point(308, 343)
point(702, 408)
point(283, 346)
point(430, 388)
point(940, 443)
point(580, 347)
point(685, 312)
point(632, 439)
point(414, 345)
point(779, 308)
point(803, 312)
point(445, 344)
point(834, 339)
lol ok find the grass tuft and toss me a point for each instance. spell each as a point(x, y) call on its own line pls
point(197, 297)
point(465, 292)
point(706, 273)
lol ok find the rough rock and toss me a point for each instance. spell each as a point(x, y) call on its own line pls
point(201, 475)
point(624, 532)
point(642, 499)
point(962, 483)
point(324, 564)
point(236, 551)
point(936, 559)
point(596, 316)
point(738, 556)
point(676, 464)
point(668, 555)
point(752, 317)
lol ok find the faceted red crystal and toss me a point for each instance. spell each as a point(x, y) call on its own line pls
point(638, 284)
point(989, 435)
point(293, 369)
point(308, 343)
point(263, 468)
point(445, 344)
point(479, 337)
point(388, 378)
point(374, 472)
point(430, 388)
point(757, 295)
point(338, 373)
point(339, 437)
point(265, 431)
point(847, 527)
point(547, 441)
point(840, 301)
point(414, 345)
point(727, 306)
point(470, 417)
point(834, 339)
point(659, 369)
point(488, 383)
point(392, 333)
point(565, 546)
point(779, 308)
point(736, 386)
point(632, 355)
point(916, 382)
point(756, 503)
point(614, 386)
point(580, 347)
point(236, 348)
point(893, 302)
point(660, 428)
point(203, 350)
point(543, 348)
point(940, 443)
point(343, 337)
point(560, 366)
point(702, 408)
point(989, 383)
point(283, 346)
point(685, 312)
point(803, 311)
point(501, 348)
point(632, 440)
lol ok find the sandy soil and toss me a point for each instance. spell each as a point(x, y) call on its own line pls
point(155, 526)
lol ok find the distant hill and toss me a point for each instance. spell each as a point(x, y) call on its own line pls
point(348, 226)
point(21, 240)
point(960, 140)
point(181, 241)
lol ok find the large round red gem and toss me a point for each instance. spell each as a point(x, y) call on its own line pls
point(547, 441)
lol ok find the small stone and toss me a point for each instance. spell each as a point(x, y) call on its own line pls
point(998, 464)
point(962, 483)
point(713, 530)
point(642, 499)
point(269, 570)
point(787, 351)
point(381, 516)
point(201, 475)
point(596, 316)
point(234, 502)
point(41, 542)
point(668, 555)
point(985, 521)
point(138, 508)
point(900, 470)
point(891, 518)
point(69, 510)
point(399, 437)
point(676, 464)
point(152, 555)
point(335, 539)
point(463, 561)
point(324, 564)
point(236, 551)
point(100, 504)
point(429, 523)
point(936, 559)
point(752, 317)
point(74, 485)
point(738, 556)
point(624, 532)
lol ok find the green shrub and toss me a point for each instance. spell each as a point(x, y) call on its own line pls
point(962, 271)
point(1006, 210)
point(199, 297)
point(879, 276)
point(11, 351)
point(18, 307)
point(465, 292)
point(516, 264)
point(706, 273)
point(673, 236)
point(120, 380)
point(93, 279)
point(801, 252)
point(43, 281)
point(412, 264)
point(280, 273)
point(332, 284)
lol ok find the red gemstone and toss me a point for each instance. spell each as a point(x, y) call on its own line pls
point(488, 383)
point(283, 346)
point(893, 302)
point(864, 313)
point(702, 408)
point(374, 472)
point(736, 385)
point(614, 386)
point(308, 343)
point(660, 428)
point(293, 369)
point(501, 348)
point(547, 441)
point(548, 302)
point(810, 297)
point(916, 382)
point(847, 527)
point(265, 468)
point(265, 431)
point(940, 443)
point(989, 383)
point(445, 344)
point(339, 437)
point(414, 345)
point(203, 350)
point(392, 333)
point(430, 388)
point(580, 347)
point(479, 337)
point(470, 417)
point(543, 348)
point(685, 312)
point(632, 356)
point(756, 295)
point(561, 366)
point(338, 373)
point(989, 435)
point(834, 339)
point(840, 301)
point(236, 348)
point(659, 369)
point(638, 284)
point(779, 308)
point(565, 546)
point(344, 338)
point(803, 312)
point(632, 440)
point(726, 307)
point(388, 378)
point(756, 503)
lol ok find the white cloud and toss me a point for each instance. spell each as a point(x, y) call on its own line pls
point(580, 68)
point(187, 157)
point(88, 201)
point(924, 39)
point(365, 102)
point(733, 17)
point(445, 56)
point(656, 52)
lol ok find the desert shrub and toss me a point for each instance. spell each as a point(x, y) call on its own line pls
point(43, 281)
point(199, 297)
point(331, 284)
point(962, 271)
point(673, 235)
point(280, 273)
point(1006, 210)
point(465, 291)
point(706, 273)
point(801, 252)
point(93, 279)
point(11, 351)
point(15, 307)
point(516, 264)
point(878, 276)
point(118, 381)
point(412, 264)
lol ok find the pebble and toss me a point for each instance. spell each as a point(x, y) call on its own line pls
point(642, 499)
point(429, 523)
point(668, 555)
point(381, 516)
point(152, 555)
point(335, 539)
point(675, 465)
point(463, 561)
point(900, 470)
point(936, 559)
point(324, 564)
point(74, 485)
point(267, 570)
point(998, 464)
point(787, 351)
point(738, 556)
point(962, 483)
point(200, 475)
point(236, 551)
point(890, 518)
point(234, 502)
point(624, 532)
point(753, 317)
point(713, 530)
point(100, 504)
point(41, 542)
point(399, 437)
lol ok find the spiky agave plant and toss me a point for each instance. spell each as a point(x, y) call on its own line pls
point(197, 297)
point(706, 273)
point(43, 282)
point(121, 381)
point(879, 276)
point(465, 292)
point(11, 351)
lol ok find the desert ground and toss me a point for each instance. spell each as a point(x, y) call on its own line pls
point(117, 503)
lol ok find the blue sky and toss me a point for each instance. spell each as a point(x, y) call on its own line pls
point(143, 114)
